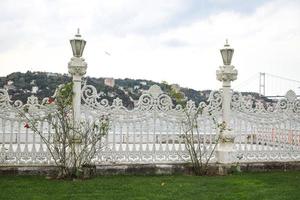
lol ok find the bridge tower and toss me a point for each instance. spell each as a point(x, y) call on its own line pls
point(262, 83)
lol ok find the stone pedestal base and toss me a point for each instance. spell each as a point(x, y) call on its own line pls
point(225, 153)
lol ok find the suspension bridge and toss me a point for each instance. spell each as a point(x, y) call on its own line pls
point(269, 85)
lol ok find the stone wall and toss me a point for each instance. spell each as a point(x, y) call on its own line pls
point(156, 169)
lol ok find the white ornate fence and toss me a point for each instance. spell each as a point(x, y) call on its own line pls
point(267, 132)
point(150, 133)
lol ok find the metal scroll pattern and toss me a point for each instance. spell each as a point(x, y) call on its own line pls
point(288, 105)
point(266, 131)
point(19, 145)
point(151, 131)
point(153, 100)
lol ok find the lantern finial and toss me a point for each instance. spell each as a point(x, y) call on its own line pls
point(78, 33)
point(226, 43)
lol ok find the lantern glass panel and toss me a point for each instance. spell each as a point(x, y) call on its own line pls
point(77, 47)
point(227, 56)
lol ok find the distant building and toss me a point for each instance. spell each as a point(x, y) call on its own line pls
point(32, 82)
point(109, 82)
point(9, 85)
point(143, 83)
point(110, 94)
point(34, 89)
point(101, 93)
point(136, 87)
point(10, 82)
point(52, 74)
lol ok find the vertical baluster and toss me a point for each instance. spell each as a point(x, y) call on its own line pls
point(201, 136)
point(154, 137)
point(278, 133)
point(134, 135)
point(277, 138)
point(268, 146)
point(106, 142)
point(286, 132)
point(148, 136)
point(113, 136)
point(18, 139)
point(255, 141)
point(297, 136)
point(11, 133)
point(141, 137)
point(140, 149)
point(250, 138)
point(121, 136)
point(209, 128)
point(272, 142)
point(26, 150)
point(239, 128)
point(50, 139)
point(272, 137)
point(180, 141)
point(290, 139)
point(40, 142)
point(160, 122)
point(259, 130)
point(241, 135)
point(243, 140)
point(127, 124)
point(174, 136)
point(167, 138)
point(212, 137)
point(1, 133)
point(296, 133)
point(281, 139)
point(249, 130)
point(266, 135)
point(3, 149)
point(263, 140)
point(33, 149)
point(266, 138)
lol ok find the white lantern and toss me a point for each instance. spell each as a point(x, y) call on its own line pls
point(227, 54)
point(78, 45)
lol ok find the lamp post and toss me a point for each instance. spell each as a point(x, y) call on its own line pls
point(77, 68)
point(226, 74)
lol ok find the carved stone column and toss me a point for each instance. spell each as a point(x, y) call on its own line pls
point(226, 74)
point(77, 68)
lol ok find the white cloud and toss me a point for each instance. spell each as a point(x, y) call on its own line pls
point(143, 44)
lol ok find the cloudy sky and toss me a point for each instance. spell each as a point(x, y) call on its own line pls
point(177, 41)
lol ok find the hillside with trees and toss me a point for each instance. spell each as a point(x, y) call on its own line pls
point(43, 84)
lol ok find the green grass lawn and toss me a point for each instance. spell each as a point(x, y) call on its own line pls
point(258, 186)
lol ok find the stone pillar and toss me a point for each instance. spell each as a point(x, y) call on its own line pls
point(77, 68)
point(226, 74)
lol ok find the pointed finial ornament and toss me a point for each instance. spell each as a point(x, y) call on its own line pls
point(78, 33)
point(226, 43)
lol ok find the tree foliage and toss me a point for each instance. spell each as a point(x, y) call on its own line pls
point(72, 144)
point(200, 154)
